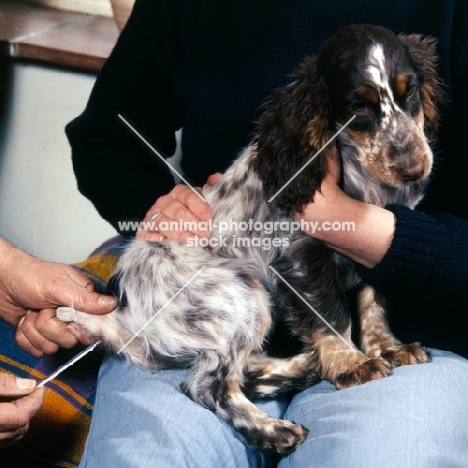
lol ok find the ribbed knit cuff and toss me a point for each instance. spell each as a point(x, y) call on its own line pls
point(411, 257)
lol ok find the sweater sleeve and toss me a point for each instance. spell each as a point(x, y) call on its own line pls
point(427, 260)
point(113, 168)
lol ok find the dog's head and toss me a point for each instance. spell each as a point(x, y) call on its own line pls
point(387, 82)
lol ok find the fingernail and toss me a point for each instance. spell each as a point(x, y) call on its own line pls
point(25, 384)
point(107, 300)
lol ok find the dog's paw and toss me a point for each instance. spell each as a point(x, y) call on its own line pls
point(91, 325)
point(281, 437)
point(372, 369)
point(405, 355)
point(67, 314)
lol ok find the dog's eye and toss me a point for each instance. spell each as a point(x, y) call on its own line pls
point(410, 91)
point(359, 107)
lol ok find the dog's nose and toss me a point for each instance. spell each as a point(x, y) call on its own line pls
point(412, 172)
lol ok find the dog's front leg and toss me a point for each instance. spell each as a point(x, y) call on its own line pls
point(318, 313)
point(376, 336)
point(339, 361)
point(323, 323)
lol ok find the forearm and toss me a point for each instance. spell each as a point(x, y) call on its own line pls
point(367, 230)
point(123, 183)
point(399, 251)
point(6, 250)
point(14, 265)
point(427, 260)
point(10, 258)
point(113, 167)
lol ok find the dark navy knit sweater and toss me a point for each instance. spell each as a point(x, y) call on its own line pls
point(207, 65)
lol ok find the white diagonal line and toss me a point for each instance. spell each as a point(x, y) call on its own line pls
point(69, 363)
point(312, 309)
point(160, 310)
point(160, 157)
point(312, 158)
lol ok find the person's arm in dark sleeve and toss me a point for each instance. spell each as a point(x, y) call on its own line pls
point(427, 259)
point(401, 252)
point(113, 168)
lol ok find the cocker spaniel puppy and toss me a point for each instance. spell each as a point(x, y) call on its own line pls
point(214, 309)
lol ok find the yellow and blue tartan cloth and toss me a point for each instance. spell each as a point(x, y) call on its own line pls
point(57, 434)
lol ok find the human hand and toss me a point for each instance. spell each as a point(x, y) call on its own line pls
point(19, 402)
point(28, 285)
point(180, 204)
point(330, 192)
point(41, 332)
point(366, 230)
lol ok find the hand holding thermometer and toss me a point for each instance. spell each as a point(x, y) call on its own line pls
point(69, 363)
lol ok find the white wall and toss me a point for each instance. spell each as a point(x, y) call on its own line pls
point(97, 7)
point(41, 210)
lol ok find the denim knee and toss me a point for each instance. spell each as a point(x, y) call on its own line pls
point(414, 418)
point(144, 420)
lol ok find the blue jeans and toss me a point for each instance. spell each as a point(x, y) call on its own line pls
point(415, 418)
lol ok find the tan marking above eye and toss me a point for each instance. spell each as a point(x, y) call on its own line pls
point(369, 94)
point(401, 85)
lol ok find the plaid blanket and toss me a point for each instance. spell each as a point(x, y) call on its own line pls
point(57, 434)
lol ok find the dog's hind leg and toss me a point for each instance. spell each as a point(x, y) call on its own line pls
point(268, 376)
point(216, 383)
point(329, 356)
point(108, 328)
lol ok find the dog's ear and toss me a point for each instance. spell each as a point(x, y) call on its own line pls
point(423, 54)
point(295, 123)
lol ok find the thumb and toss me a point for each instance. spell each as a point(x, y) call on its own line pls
point(93, 302)
point(11, 386)
point(80, 295)
point(213, 178)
